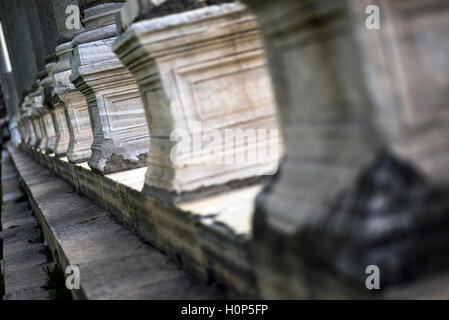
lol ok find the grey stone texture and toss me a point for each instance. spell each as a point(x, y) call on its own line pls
point(210, 237)
point(23, 260)
point(113, 262)
point(344, 94)
point(194, 234)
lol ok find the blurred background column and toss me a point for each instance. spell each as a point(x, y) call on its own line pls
point(364, 114)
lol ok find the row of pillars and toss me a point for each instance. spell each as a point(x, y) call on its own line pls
point(362, 112)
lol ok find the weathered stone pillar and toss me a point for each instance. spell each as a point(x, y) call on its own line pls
point(339, 90)
point(24, 126)
point(61, 128)
point(42, 121)
point(44, 116)
point(36, 116)
point(74, 107)
point(48, 112)
point(115, 108)
point(21, 127)
point(202, 74)
point(27, 118)
point(71, 115)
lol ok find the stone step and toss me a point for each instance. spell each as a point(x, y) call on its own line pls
point(113, 262)
point(23, 259)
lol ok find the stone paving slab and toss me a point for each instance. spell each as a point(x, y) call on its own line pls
point(113, 262)
point(23, 279)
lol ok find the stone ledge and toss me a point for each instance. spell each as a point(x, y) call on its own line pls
point(23, 261)
point(114, 263)
point(208, 237)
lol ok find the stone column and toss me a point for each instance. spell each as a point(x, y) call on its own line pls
point(72, 105)
point(333, 209)
point(21, 128)
point(26, 134)
point(42, 118)
point(48, 111)
point(115, 108)
point(44, 115)
point(200, 72)
point(71, 115)
point(61, 128)
point(27, 117)
point(36, 115)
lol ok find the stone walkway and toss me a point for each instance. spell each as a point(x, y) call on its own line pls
point(23, 260)
point(113, 262)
